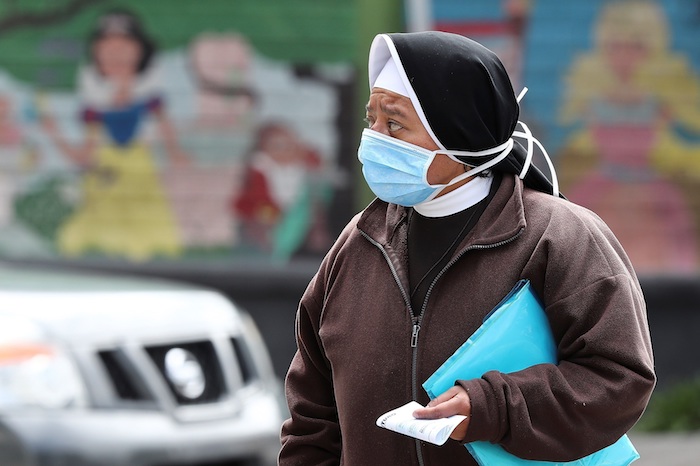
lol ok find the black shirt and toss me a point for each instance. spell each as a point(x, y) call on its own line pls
point(433, 240)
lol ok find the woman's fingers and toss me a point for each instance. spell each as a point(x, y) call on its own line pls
point(453, 401)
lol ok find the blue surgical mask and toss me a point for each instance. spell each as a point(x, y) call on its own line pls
point(396, 171)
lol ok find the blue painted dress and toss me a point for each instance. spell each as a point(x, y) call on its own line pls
point(124, 211)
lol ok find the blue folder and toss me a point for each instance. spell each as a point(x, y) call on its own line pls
point(514, 335)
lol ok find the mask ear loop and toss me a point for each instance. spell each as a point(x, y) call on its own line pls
point(506, 146)
point(504, 150)
point(527, 134)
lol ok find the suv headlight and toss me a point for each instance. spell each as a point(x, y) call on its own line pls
point(36, 374)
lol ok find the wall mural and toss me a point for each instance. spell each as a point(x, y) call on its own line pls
point(625, 159)
point(614, 94)
point(201, 152)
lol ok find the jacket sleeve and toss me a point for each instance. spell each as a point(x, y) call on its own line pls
point(312, 434)
point(605, 374)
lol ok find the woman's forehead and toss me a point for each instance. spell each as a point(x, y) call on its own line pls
point(390, 102)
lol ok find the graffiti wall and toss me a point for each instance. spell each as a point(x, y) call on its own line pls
point(614, 94)
point(134, 132)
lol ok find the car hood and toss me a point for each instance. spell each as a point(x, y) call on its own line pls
point(95, 309)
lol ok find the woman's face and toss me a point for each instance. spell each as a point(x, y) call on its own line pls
point(394, 115)
point(117, 56)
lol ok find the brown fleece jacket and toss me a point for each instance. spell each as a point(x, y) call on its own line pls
point(355, 360)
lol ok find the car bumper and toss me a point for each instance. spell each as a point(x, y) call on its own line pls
point(141, 438)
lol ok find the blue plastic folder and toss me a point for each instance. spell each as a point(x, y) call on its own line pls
point(514, 336)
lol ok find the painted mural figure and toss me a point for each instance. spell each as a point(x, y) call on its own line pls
point(280, 206)
point(219, 131)
point(221, 67)
point(11, 155)
point(124, 210)
point(625, 162)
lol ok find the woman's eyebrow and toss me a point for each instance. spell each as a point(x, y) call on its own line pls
point(390, 109)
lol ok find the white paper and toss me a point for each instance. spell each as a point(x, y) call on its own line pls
point(435, 431)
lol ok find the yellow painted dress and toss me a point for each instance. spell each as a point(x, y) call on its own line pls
point(124, 210)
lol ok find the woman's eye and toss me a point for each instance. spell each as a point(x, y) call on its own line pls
point(367, 121)
point(393, 126)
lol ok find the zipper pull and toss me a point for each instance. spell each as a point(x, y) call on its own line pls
point(414, 335)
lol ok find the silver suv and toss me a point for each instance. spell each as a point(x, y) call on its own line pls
point(115, 371)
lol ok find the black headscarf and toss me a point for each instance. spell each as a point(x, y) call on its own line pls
point(464, 93)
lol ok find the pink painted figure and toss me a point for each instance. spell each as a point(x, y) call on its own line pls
point(626, 163)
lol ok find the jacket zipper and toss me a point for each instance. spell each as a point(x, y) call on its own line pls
point(417, 320)
point(393, 272)
point(414, 331)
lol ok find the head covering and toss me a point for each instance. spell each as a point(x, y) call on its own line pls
point(390, 79)
point(461, 92)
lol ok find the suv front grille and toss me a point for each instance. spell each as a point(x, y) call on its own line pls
point(244, 360)
point(193, 372)
point(124, 377)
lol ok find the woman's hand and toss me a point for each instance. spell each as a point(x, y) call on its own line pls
point(453, 401)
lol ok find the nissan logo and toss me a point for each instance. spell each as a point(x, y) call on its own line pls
point(185, 373)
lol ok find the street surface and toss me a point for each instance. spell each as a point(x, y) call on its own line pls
point(667, 449)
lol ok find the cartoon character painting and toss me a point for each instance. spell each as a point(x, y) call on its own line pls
point(281, 204)
point(220, 65)
point(124, 211)
point(17, 159)
point(626, 161)
point(138, 138)
point(220, 127)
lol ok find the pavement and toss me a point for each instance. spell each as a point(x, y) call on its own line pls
point(662, 449)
